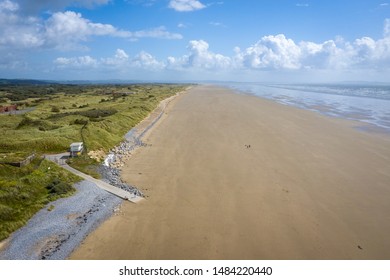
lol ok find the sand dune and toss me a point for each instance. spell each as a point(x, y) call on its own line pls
point(232, 176)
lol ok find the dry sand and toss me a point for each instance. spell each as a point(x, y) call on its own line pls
point(309, 186)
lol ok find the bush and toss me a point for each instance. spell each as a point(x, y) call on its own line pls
point(97, 113)
point(55, 109)
point(25, 121)
point(56, 187)
point(80, 121)
point(42, 125)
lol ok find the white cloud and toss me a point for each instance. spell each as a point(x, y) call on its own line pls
point(62, 30)
point(327, 55)
point(159, 32)
point(121, 55)
point(271, 52)
point(186, 5)
point(386, 30)
point(304, 5)
point(8, 6)
point(198, 58)
point(201, 57)
point(120, 61)
point(76, 62)
point(73, 24)
point(217, 24)
point(366, 52)
point(18, 32)
point(278, 53)
point(146, 61)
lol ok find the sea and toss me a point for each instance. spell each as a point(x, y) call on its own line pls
point(365, 103)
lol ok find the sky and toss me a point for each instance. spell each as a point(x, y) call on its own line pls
point(196, 40)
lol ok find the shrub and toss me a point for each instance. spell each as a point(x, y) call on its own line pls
point(55, 109)
point(25, 122)
point(96, 113)
point(56, 187)
point(80, 121)
point(42, 125)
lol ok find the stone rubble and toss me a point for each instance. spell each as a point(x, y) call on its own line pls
point(110, 170)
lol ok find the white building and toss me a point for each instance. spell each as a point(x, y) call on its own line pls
point(76, 149)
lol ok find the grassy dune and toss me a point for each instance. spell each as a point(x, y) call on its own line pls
point(57, 120)
point(60, 112)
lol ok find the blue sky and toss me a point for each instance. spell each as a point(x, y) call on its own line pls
point(178, 40)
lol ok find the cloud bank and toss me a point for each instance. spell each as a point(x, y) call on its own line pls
point(270, 54)
point(62, 30)
point(120, 60)
point(65, 31)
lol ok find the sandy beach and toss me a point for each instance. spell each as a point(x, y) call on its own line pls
point(230, 176)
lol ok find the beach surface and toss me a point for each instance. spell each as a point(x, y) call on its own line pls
point(231, 176)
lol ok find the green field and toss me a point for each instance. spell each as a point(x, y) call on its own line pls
point(55, 116)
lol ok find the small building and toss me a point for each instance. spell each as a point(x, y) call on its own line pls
point(76, 149)
point(8, 108)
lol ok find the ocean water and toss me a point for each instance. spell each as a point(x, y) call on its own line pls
point(368, 104)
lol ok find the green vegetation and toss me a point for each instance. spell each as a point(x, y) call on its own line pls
point(86, 165)
point(55, 116)
point(61, 111)
point(13, 157)
point(25, 190)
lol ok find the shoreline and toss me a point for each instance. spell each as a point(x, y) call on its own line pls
point(56, 233)
point(369, 112)
point(241, 177)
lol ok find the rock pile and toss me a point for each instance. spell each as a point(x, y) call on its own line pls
point(110, 170)
point(112, 176)
point(120, 153)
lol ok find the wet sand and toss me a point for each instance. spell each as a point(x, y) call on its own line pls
point(232, 176)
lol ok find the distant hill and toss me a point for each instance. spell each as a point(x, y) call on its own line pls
point(5, 82)
point(24, 82)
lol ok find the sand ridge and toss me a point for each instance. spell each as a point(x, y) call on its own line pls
point(232, 176)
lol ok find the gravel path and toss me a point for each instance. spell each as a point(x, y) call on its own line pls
point(55, 234)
